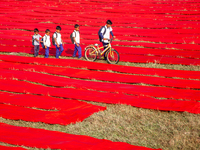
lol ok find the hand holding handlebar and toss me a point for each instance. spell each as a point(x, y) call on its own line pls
point(110, 40)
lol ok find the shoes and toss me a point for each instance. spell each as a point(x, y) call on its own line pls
point(81, 58)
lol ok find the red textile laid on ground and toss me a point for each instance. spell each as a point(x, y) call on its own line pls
point(41, 138)
point(25, 35)
point(176, 39)
point(161, 60)
point(150, 24)
point(103, 76)
point(88, 39)
point(81, 84)
point(166, 35)
point(11, 148)
point(157, 52)
point(57, 111)
point(123, 57)
point(103, 67)
point(165, 92)
point(137, 101)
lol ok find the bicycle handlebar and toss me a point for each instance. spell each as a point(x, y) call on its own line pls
point(110, 40)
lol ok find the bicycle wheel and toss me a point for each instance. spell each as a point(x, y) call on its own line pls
point(113, 57)
point(90, 54)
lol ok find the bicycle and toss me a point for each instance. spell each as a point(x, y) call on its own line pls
point(111, 55)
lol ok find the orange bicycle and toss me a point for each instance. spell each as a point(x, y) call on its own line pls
point(110, 54)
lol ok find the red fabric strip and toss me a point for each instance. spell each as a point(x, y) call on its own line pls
point(78, 73)
point(183, 39)
point(67, 111)
point(187, 47)
point(41, 138)
point(157, 52)
point(144, 33)
point(16, 35)
point(137, 101)
point(175, 33)
point(84, 35)
point(100, 66)
point(123, 57)
point(143, 22)
point(43, 102)
point(157, 59)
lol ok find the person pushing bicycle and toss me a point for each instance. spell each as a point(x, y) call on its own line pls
point(104, 33)
point(109, 53)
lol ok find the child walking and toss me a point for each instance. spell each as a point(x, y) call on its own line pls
point(76, 37)
point(58, 42)
point(36, 42)
point(47, 42)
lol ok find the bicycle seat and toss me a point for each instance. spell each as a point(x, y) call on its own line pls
point(96, 44)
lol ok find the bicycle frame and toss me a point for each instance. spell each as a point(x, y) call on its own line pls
point(93, 51)
point(97, 49)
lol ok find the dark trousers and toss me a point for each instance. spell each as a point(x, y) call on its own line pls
point(59, 50)
point(36, 50)
point(77, 48)
point(104, 44)
point(46, 52)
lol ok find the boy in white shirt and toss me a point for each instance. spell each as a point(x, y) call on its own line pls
point(76, 37)
point(105, 32)
point(58, 42)
point(36, 42)
point(47, 42)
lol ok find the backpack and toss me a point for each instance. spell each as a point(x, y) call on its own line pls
point(72, 38)
point(42, 42)
point(33, 40)
point(53, 40)
point(100, 39)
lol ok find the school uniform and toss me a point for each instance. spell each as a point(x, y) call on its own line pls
point(107, 32)
point(59, 49)
point(47, 43)
point(36, 44)
point(78, 49)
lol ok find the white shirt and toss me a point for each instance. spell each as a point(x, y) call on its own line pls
point(36, 37)
point(46, 40)
point(58, 39)
point(76, 34)
point(107, 33)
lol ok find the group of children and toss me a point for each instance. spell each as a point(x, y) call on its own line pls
point(104, 35)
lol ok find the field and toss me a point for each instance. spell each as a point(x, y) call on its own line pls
point(149, 100)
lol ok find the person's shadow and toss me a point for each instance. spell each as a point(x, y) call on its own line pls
point(69, 50)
